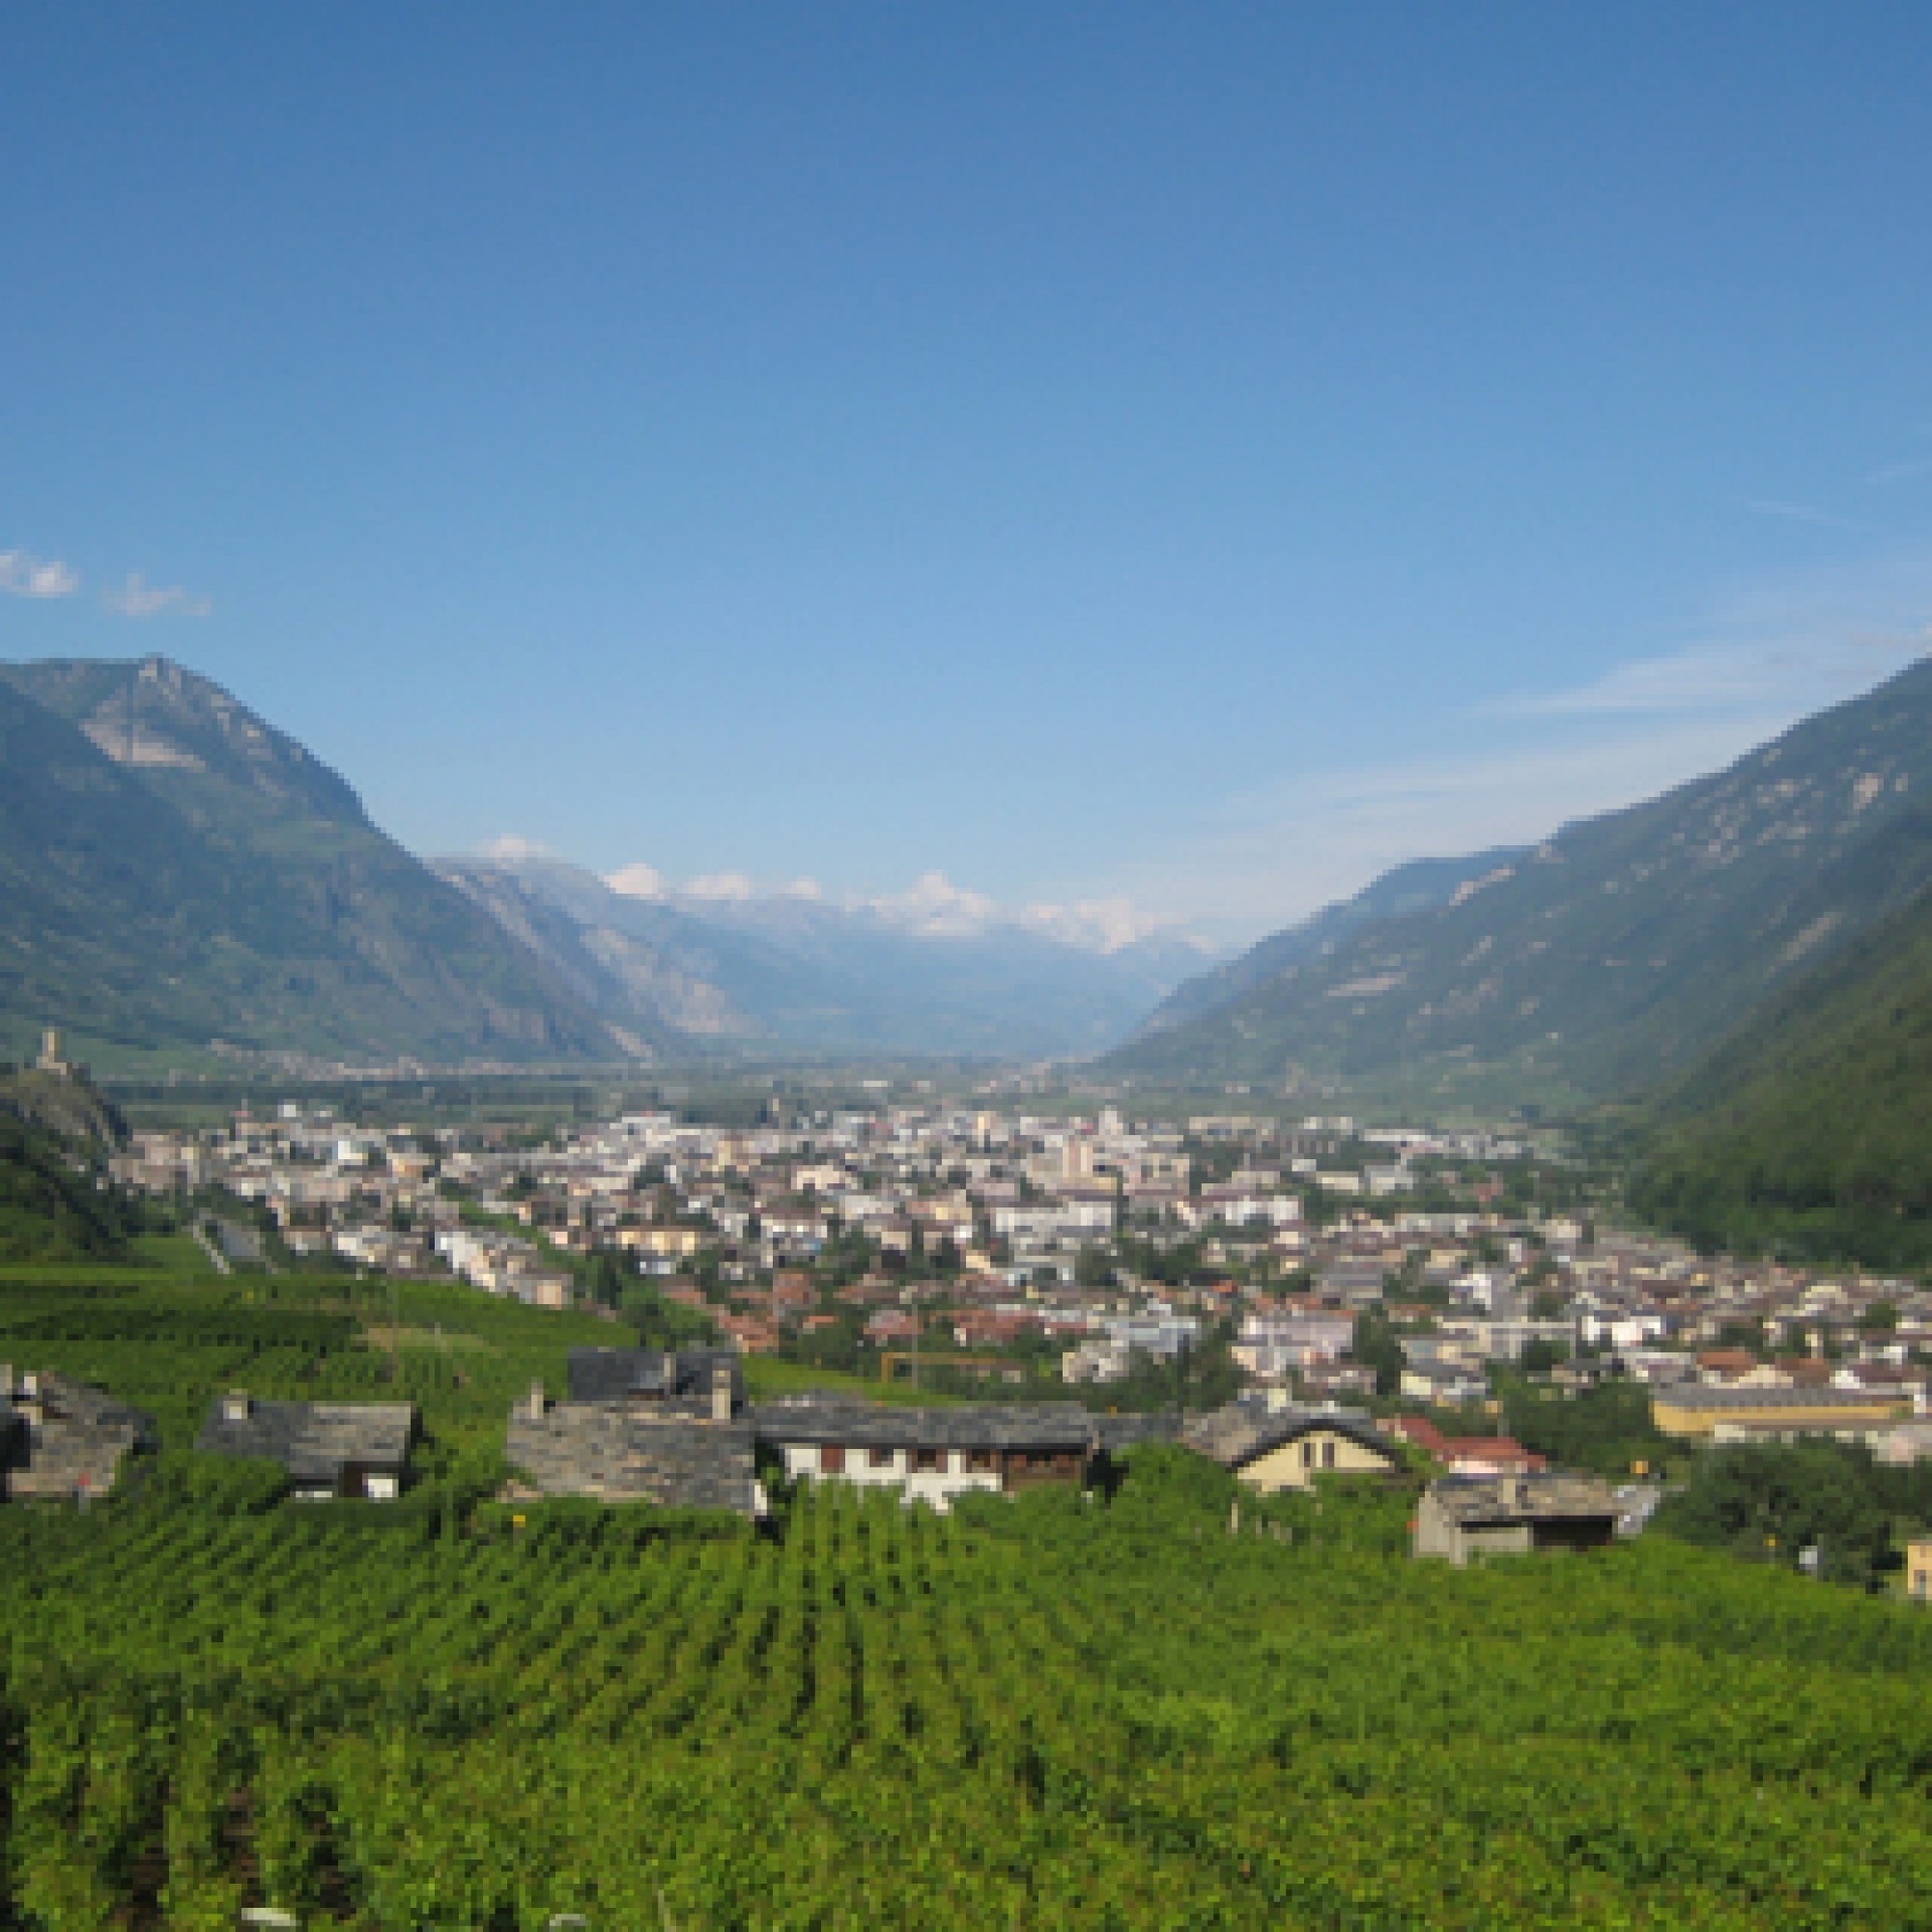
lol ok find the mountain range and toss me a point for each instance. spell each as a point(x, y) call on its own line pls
point(176, 873)
point(1604, 961)
point(820, 976)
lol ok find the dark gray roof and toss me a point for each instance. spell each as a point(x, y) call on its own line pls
point(981, 1424)
point(1118, 1433)
point(314, 1441)
point(661, 1374)
point(1238, 1433)
point(620, 1452)
point(1716, 1396)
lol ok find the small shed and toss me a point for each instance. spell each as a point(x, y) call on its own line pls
point(1461, 1517)
point(329, 1448)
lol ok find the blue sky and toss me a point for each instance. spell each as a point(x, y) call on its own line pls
point(1195, 456)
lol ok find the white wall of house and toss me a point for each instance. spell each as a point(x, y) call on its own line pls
point(937, 1487)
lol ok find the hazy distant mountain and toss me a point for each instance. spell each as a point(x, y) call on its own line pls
point(1617, 951)
point(175, 871)
point(1420, 886)
point(792, 970)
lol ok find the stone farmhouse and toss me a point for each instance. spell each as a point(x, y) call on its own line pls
point(641, 1425)
point(934, 1455)
point(62, 1440)
point(671, 1426)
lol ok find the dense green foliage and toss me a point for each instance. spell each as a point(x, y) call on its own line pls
point(1810, 1131)
point(1606, 1429)
point(1045, 1713)
point(49, 1205)
point(1772, 1502)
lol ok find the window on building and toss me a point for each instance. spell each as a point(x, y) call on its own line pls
point(1308, 1455)
point(1327, 1455)
point(925, 1460)
point(832, 1459)
point(879, 1457)
point(981, 1460)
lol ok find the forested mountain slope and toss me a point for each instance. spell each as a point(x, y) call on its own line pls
point(1622, 947)
point(1809, 1130)
point(174, 873)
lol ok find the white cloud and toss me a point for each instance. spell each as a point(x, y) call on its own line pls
point(138, 598)
point(802, 889)
point(24, 576)
point(636, 881)
point(732, 886)
point(935, 908)
point(1102, 925)
point(513, 847)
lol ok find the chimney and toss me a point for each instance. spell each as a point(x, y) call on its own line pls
point(721, 1392)
point(537, 1404)
point(236, 1406)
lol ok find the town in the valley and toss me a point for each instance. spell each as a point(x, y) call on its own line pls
point(1295, 1299)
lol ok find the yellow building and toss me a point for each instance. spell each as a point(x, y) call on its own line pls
point(1919, 1572)
point(1741, 1414)
point(1288, 1448)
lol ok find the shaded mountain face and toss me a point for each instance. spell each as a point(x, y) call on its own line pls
point(175, 872)
point(1614, 953)
point(1809, 1127)
point(807, 974)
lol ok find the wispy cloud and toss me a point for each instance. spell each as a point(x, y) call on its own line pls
point(1517, 766)
point(138, 598)
point(1703, 678)
point(1801, 513)
point(22, 575)
point(1907, 470)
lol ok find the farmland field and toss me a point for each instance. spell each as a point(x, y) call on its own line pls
point(1044, 1711)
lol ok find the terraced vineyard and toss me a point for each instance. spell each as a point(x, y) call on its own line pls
point(1041, 1713)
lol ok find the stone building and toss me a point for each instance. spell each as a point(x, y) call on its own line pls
point(1461, 1517)
point(329, 1448)
point(62, 1440)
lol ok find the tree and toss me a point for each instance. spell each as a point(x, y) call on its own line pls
point(1772, 1501)
point(1376, 1348)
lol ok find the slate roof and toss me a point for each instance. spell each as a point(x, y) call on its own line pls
point(1701, 1396)
point(314, 1441)
point(1238, 1433)
point(1492, 1500)
point(1058, 1426)
point(76, 1444)
point(653, 1374)
point(621, 1453)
